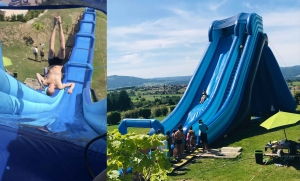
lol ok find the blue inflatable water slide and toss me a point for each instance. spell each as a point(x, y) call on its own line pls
point(43, 137)
point(240, 75)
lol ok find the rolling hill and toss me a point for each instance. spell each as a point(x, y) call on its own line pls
point(116, 81)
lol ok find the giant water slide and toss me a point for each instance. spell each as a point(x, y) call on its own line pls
point(239, 82)
point(48, 134)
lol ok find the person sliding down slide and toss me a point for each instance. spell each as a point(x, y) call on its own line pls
point(204, 96)
point(54, 76)
point(53, 80)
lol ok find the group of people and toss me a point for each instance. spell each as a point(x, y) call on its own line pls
point(36, 51)
point(54, 75)
point(178, 139)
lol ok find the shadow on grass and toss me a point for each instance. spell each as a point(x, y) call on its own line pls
point(295, 163)
point(180, 171)
point(33, 59)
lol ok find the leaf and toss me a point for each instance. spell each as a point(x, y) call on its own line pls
point(114, 174)
point(127, 151)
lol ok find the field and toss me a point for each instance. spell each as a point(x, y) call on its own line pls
point(152, 97)
point(18, 40)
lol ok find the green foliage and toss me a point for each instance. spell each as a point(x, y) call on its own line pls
point(2, 18)
point(114, 118)
point(171, 102)
point(19, 17)
point(145, 113)
point(172, 108)
point(118, 101)
point(13, 17)
point(157, 112)
point(24, 18)
point(31, 14)
point(38, 27)
point(297, 98)
point(131, 114)
point(131, 151)
point(164, 110)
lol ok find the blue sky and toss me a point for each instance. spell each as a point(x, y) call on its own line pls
point(164, 38)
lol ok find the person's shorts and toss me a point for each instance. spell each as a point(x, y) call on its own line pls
point(55, 61)
point(204, 137)
point(178, 142)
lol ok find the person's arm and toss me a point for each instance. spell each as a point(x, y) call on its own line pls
point(41, 80)
point(71, 85)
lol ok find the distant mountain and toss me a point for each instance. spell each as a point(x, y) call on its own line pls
point(291, 73)
point(115, 81)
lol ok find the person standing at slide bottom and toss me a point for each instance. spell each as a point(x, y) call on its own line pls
point(203, 135)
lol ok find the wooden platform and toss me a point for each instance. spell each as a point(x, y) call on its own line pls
point(225, 152)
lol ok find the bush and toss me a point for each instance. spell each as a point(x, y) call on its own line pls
point(2, 18)
point(145, 113)
point(19, 17)
point(171, 102)
point(172, 108)
point(157, 112)
point(164, 110)
point(13, 17)
point(24, 19)
point(114, 118)
point(297, 98)
point(131, 114)
point(129, 153)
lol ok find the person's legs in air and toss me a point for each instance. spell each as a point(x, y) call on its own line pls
point(51, 53)
point(62, 49)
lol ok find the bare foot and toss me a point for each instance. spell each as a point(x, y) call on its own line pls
point(58, 18)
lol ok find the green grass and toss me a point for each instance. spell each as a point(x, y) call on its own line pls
point(151, 97)
point(99, 62)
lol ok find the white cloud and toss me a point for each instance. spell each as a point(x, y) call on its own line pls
point(217, 5)
point(174, 44)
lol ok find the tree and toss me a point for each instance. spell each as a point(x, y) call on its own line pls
point(2, 17)
point(112, 101)
point(38, 27)
point(297, 98)
point(157, 112)
point(164, 110)
point(131, 151)
point(145, 113)
point(124, 101)
point(114, 118)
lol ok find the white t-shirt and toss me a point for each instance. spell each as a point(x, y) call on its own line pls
point(35, 50)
